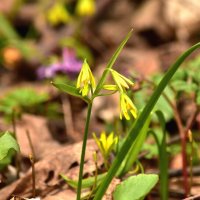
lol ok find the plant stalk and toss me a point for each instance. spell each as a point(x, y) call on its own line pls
point(78, 197)
point(183, 139)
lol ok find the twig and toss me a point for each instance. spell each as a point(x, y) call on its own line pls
point(30, 143)
point(33, 174)
point(18, 156)
point(191, 142)
point(183, 138)
point(193, 197)
point(178, 172)
point(191, 120)
point(14, 124)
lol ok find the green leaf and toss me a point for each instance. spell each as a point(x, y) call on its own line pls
point(21, 100)
point(135, 129)
point(141, 98)
point(7, 143)
point(183, 86)
point(135, 187)
point(6, 29)
point(181, 74)
point(7, 160)
point(86, 183)
point(70, 90)
point(163, 157)
point(162, 102)
point(198, 98)
point(132, 155)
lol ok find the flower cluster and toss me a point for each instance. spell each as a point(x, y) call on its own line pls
point(126, 105)
point(86, 85)
point(69, 65)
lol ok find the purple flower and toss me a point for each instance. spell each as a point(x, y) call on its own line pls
point(69, 65)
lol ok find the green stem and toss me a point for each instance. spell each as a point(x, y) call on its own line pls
point(83, 152)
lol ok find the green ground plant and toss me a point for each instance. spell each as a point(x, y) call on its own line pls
point(182, 89)
point(8, 148)
point(20, 101)
point(87, 90)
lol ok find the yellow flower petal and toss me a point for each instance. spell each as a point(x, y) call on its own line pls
point(121, 81)
point(85, 80)
point(85, 7)
point(126, 107)
point(110, 87)
point(106, 143)
point(58, 14)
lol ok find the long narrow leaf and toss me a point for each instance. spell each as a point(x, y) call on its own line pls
point(163, 156)
point(136, 147)
point(6, 29)
point(69, 90)
point(163, 159)
point(135, 129)
point(86, 183)
point(111, 63)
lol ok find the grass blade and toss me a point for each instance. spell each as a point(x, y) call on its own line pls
point(111, 63)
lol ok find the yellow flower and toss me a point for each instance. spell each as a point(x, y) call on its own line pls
point(85, 7)
point(127, 107)
point(121, 81)
point(110, 87)
point(86, 81)
point(106, 143)
point(58, 14)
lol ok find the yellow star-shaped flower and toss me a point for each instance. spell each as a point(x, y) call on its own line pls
point(127, 107)
point(86, 81)
point(121, 81)
point(106, 143)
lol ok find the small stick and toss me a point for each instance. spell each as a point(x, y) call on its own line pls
point(30, 143)
point(193, 197)
point(191, 142)
point(33, 173)
point(18, 157)
point(14, 124)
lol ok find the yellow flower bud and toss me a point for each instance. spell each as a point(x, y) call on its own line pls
point(121, 81)
point(110, 87)
point(85, 81)
point(127, 107)
point(106, 143)
point(85, 7)
point(58, 14)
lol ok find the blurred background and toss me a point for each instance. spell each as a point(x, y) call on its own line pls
point(43, 41)
point(34, 33)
